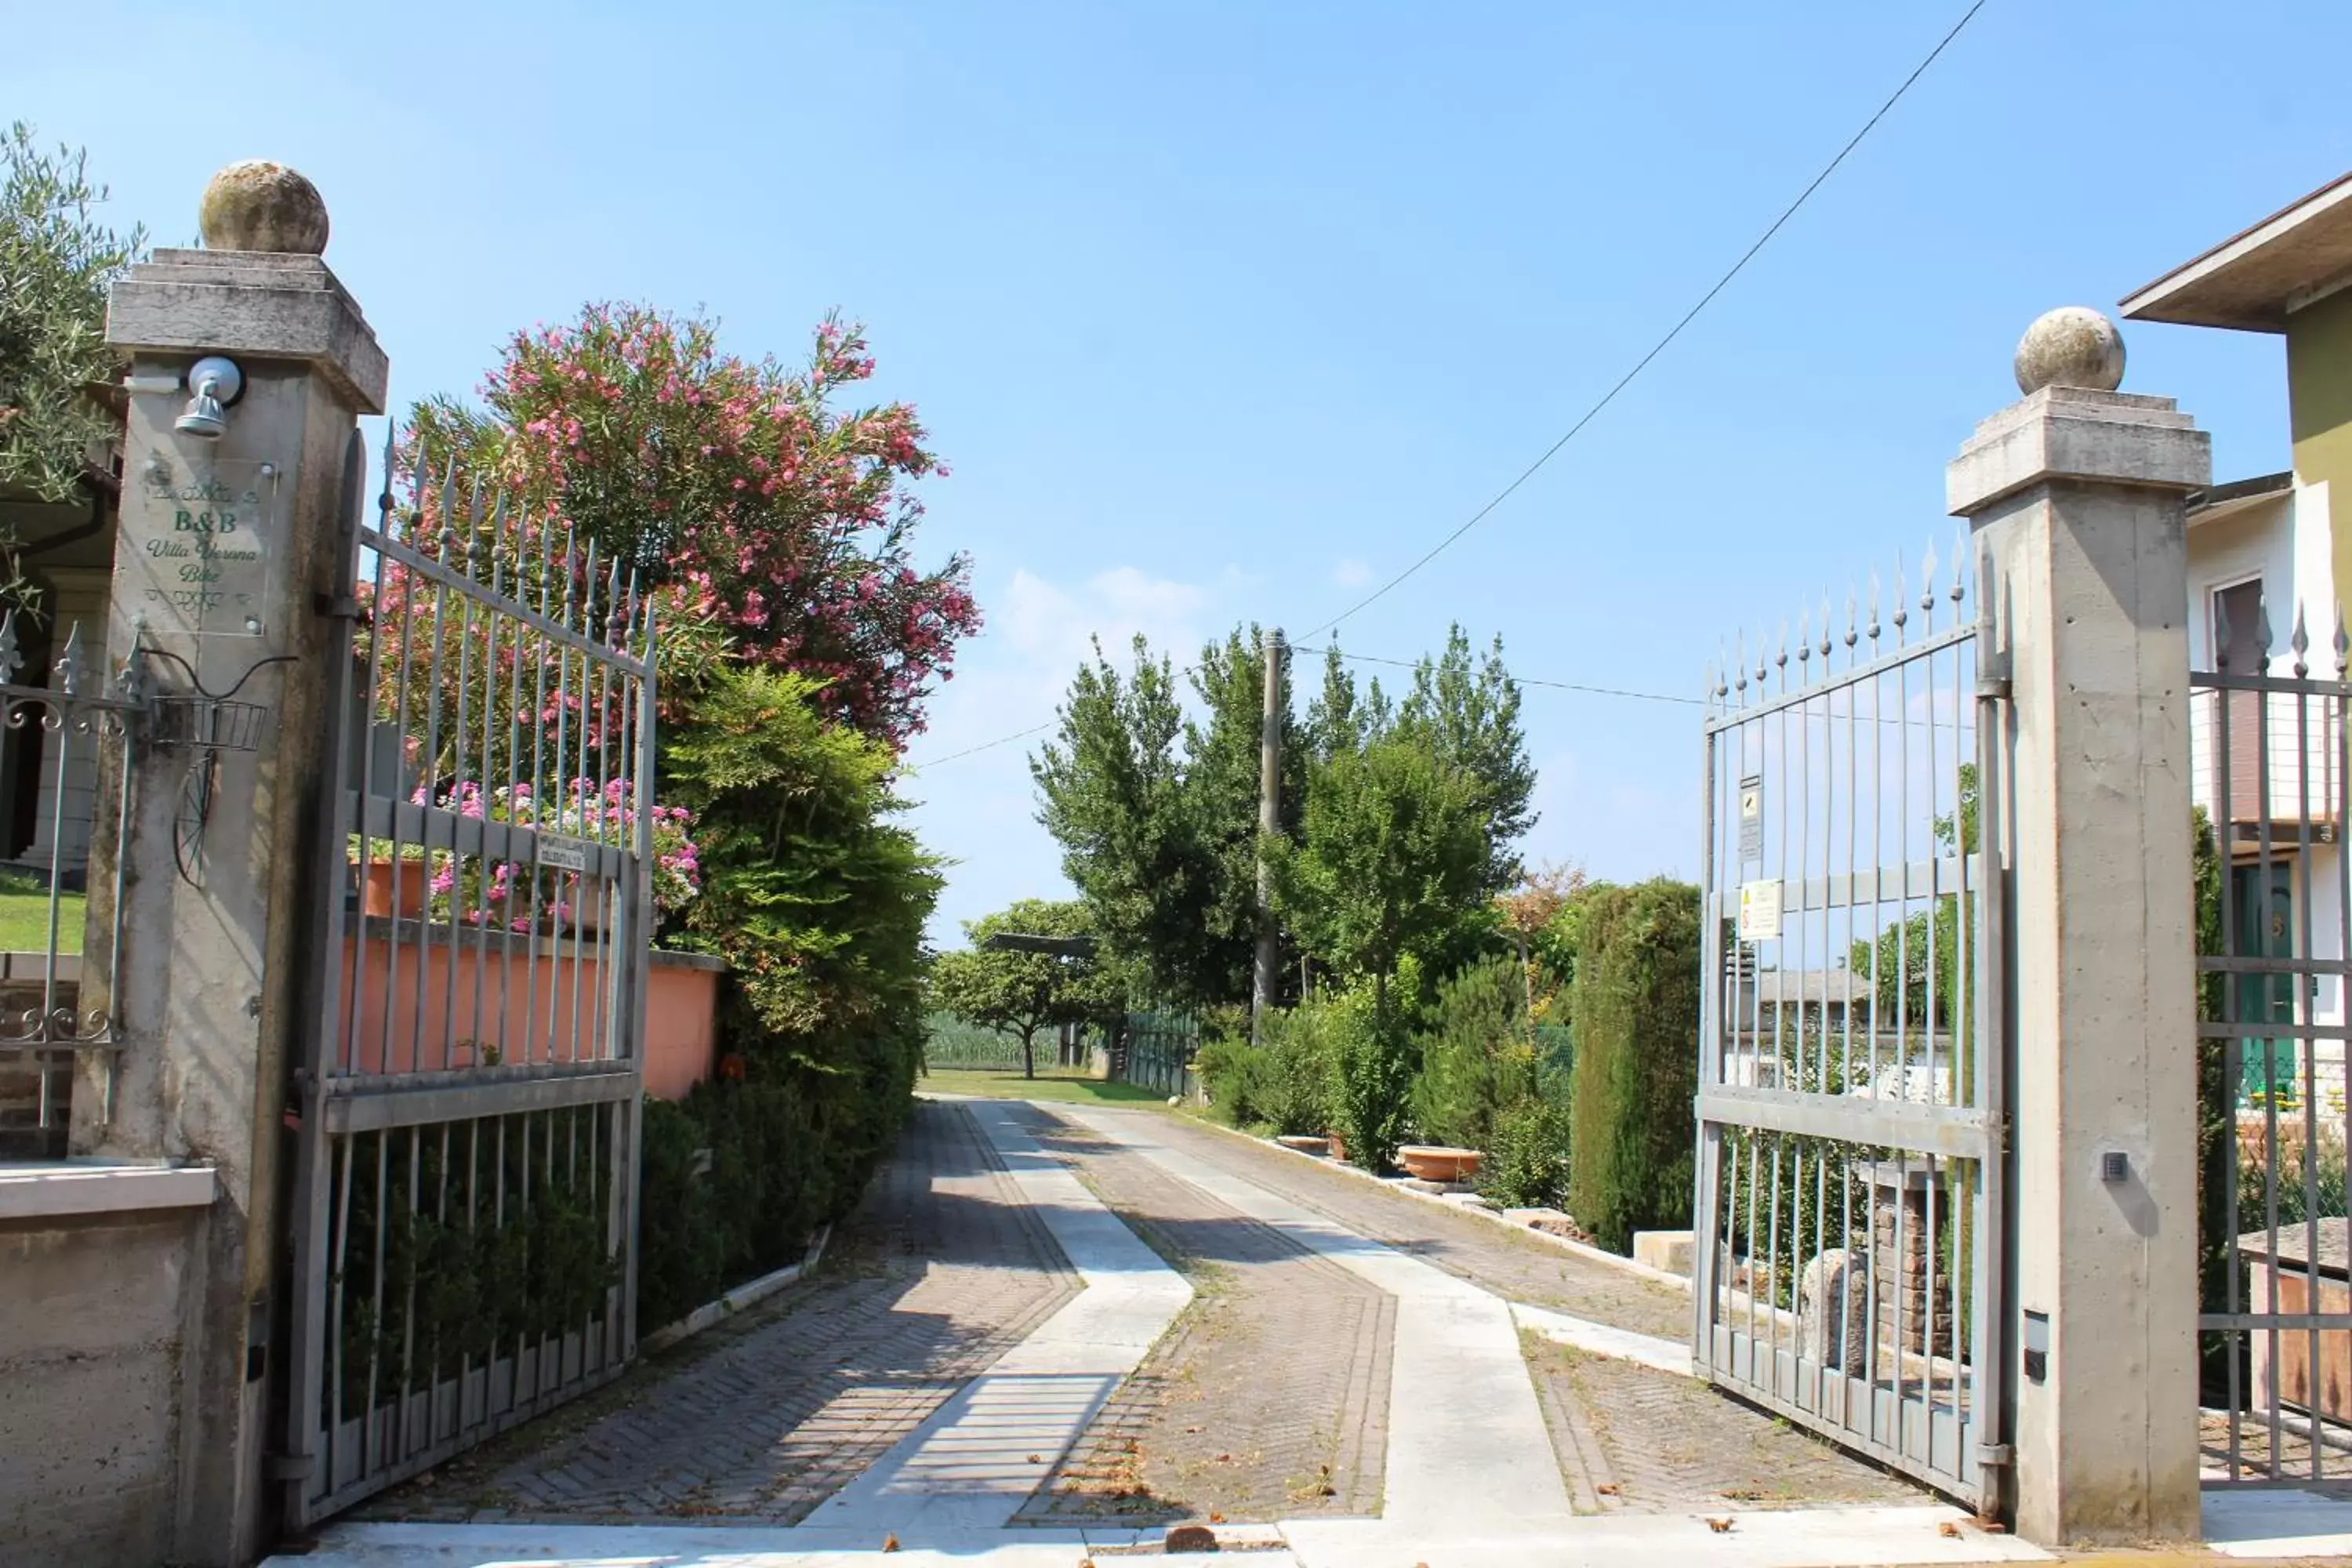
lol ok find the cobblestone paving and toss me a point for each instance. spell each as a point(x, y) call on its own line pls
point(1267, 1400)
point(1515, 1268)
point(938, 1271)
point(1646, 1441)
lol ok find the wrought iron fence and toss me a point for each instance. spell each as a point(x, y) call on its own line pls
point(465, 1224)
point(1847, 1274)
point(69, 746)
point(1158, 1048)
point(2275, 1287)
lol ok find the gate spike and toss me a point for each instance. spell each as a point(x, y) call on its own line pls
point(1875, 589)
point(1901, 616)
point(1740, 665)
point(588, 594)
point(9, 658)
point(1780, 660)
point(2343, 643)
point(383, 497)
point(571, 573)
point(1722, 663)
point(1928, 580)
point(2263, 633)
point(448, 483)
point(613, 621)
point(1804, 644)
point(1826, 639)
point(2221, 632)
point(1851, 622)
point(497, 538)
point(1960, 563)
point(2301, 642)
point(69, 662)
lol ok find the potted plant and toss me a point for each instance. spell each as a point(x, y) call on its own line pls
point(392, 884)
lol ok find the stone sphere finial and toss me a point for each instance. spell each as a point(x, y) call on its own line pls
point(2072, 345)
point(260, 205)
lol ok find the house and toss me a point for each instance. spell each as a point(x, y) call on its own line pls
point(2266, 555)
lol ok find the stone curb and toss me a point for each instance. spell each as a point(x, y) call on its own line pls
point(731, 1302)
point(1591, 1254)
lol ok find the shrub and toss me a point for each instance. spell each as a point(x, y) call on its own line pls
point(1240, 1077)
point(1528, 1156)
point(1375, 1076)
point(1302, 1083)
point(1634, 1007)
point(1476, 1059)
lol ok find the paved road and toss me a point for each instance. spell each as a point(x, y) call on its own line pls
point(938, 1271)
point(1268, 1399)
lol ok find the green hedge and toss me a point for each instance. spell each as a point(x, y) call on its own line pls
point(791, 1145)
point(1634, 1010)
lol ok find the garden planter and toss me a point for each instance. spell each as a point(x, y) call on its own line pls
point(1432, 1163)
point(394, 888)
point(1338, 1145)
point(1305, 1145)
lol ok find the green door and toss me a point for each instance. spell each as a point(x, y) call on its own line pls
point(2262, 908)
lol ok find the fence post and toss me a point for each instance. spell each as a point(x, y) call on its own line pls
point(2075, 495)
point(249, 368)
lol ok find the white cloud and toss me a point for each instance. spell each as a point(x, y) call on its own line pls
point(1351, 573)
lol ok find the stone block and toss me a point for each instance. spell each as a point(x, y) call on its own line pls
point(1833, 1310)
point(1669, 1250)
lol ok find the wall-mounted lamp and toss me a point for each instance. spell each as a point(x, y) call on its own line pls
point(214, 383)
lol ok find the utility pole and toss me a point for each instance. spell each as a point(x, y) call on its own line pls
point(1269, 822)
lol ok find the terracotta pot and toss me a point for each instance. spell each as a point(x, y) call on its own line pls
point(1305, 1145)
point(394, 888)
point(1339, 1146)
point(1433, 1162)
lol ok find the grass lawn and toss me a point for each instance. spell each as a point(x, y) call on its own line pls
point(1061, 1086)
point(25, 922)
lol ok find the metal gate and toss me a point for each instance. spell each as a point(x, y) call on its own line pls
point(466, 1109)
point(1848, 1196)
point(2272, 778)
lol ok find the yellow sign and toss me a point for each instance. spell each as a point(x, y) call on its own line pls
point(1760, 911)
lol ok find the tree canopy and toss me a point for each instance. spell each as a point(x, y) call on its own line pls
point(761, 515)
point(1021, 992)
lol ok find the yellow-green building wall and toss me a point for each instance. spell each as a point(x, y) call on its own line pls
point(2319, 401)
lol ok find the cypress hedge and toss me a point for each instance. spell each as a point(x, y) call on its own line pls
point(1635, 1015)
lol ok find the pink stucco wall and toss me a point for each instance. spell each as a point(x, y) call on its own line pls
point(424, 1009)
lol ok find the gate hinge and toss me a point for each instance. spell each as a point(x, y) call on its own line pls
point(1995, 1456)
point(336, 606)
point(293, 1467)
point(1992, 686)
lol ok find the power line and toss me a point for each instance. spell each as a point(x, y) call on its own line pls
point(1660, 347)
point(1352, 659)
point(1522, 679)
point(1591, 414)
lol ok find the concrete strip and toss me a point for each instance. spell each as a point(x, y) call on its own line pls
point(51, 1191)
point(1585, 1250)
point(1813, 1538)
point(1467, 1438)
point(748, 1294)
point(716, 1546)
point(976, 1461)
point(2268, 1524)
point(1599, 1339)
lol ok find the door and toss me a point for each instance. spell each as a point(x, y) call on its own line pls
point(2261, 908)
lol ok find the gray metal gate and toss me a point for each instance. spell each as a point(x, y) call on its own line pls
point(468, 1106)
point(2271, 779)
point(1849, 1200)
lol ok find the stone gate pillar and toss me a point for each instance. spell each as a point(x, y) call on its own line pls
point(2075, 494)
point(249, 368)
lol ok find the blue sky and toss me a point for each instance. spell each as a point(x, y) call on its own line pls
point(1220, 311)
